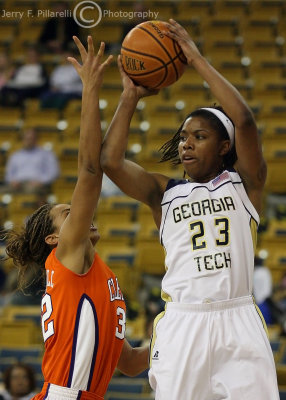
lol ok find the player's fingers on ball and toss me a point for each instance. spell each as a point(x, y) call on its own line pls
point(174, 23)
point(80, 47)
point(169, 27)
point(119, 63)
point(154, 91)
point(172, 35)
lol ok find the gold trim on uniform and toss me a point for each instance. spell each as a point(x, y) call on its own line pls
point(253, 230)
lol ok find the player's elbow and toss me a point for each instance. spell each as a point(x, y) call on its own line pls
point(245, 120)
point(108, 161)
point(131, 369)
point(128, 372)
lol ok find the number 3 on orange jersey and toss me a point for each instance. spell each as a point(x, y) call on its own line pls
point(47, 309)
point(48, 329)
point(120, 329)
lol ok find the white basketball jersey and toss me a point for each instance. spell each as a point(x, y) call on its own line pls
point(208, 231)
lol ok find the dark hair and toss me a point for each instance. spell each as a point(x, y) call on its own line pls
point(170, 150)
point(30, 374)
point(28, 248)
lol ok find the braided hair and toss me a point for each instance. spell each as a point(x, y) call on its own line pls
point(28, 248)
point(170, 150)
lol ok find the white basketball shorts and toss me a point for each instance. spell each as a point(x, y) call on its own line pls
point(212, 351)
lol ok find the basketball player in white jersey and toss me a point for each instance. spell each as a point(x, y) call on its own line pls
point(210, 343)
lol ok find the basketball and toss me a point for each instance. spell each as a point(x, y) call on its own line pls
point(150, 58)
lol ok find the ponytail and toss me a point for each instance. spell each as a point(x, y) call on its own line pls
point(28, 248)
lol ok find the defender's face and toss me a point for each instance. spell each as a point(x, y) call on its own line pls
point(59, 214)
point(201, 149)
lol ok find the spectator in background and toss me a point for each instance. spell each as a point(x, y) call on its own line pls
point(3, 279)
point(19, 382)
point(57, 32)
point(6, 69)
point(65, 84)
point(28, 81)
point(31, 169)
point(262, 289)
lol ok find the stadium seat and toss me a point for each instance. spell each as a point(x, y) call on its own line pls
point(282, 394)
point(6, 362)
point(21, 353)
point(118, 232)
point(10, 118)
point(126, 396)
point(117, 254)
point(122, 384)
point(150, 259)
point(32, 313)
point(122, 204)
point(231, 8)
point(45, 120)
point(276, 182)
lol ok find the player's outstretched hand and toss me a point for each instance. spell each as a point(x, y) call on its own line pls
point(188, 46)
point(92, 68)
point(129, 85)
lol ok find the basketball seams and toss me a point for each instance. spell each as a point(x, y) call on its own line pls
point(143, 54)
point(163, 47)
point(165, 65)
point(149, 57)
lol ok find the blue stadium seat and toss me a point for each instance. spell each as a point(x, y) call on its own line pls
point(6, 362)
point(275, 345)
point(129, 398)
point(282, 394)
point(20, 353)
point(35, 318)
point(125, 387)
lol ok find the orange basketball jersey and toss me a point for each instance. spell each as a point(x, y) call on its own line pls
point(83, 324)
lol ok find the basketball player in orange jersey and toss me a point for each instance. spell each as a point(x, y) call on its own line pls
point(83, 309)
point(210, 343)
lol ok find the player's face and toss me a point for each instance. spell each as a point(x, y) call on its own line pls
point(201, 149)
point(59, 214)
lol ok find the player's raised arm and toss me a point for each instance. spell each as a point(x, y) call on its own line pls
point(130, 177)
point(250, 163)
point(76, 228)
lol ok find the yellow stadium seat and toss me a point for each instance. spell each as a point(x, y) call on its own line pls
point(114, 254)
point(275, 149)
point(43, 119)
point(15, 333)
point(276, 179)
point(150, 257)
point(118, 232)
point(7, 32)
point(10, 118)
point(12, 312)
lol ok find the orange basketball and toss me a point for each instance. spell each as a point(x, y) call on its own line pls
point(151, 58)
